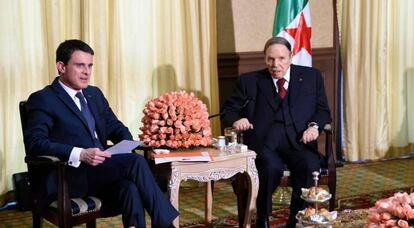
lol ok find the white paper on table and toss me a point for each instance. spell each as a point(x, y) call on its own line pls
point(124, 147)
point(203, 156)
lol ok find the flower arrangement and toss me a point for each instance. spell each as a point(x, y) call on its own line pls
point(395, 211)
point(176, 120)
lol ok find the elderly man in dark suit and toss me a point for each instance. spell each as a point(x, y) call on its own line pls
point(280, 110)
point(72, 120)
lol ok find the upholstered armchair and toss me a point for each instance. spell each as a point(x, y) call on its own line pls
point(65, 211)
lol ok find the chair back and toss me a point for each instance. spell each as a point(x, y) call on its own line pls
point(22, 109)
point(23, 117)
point(36, 174)
point(329, 158)
point(22, 180)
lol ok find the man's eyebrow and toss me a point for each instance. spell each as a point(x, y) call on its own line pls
point(80, 63)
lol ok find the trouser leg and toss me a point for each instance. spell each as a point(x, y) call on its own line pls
point(145, 191)
point(157, 205)
point(131, 205)
point(305, 162)
point(270, 169)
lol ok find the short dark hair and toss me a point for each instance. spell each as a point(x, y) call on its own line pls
point(277, 40)
point(65, 50)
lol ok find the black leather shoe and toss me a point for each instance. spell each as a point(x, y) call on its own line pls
point(262, 222)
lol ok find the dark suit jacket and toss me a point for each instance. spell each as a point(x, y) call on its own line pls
point(55, 125)
point(255, 98)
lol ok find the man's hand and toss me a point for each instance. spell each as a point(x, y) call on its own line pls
point(310, 135)
point(242, 124)
point(93, 156)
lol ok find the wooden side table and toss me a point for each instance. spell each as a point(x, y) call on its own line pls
point(223, 166)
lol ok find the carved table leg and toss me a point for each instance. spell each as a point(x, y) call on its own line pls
point(253, 185)
point(173, 190)
point(209, 204)
point(241, 190)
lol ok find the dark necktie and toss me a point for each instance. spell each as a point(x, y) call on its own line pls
point(280, 88)
point(88, 117)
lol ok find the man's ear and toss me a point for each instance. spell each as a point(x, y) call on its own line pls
point(61, 67)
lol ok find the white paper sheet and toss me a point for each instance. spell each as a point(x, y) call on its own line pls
point(123, 147)
point(183, 157)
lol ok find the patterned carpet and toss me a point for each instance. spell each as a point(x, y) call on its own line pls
point(358, 186)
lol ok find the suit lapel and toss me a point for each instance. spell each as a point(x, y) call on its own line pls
point(268, 88)
point(295, 84)
point(68, 101)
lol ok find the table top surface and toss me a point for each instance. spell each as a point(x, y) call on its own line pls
point(217, 154)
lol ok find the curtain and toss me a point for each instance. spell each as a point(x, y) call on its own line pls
point(143, 48)
point(377, 54)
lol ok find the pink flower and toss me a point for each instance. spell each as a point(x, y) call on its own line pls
point(154, 128)
point(374, 217)
point(410, 214)
point(403, 223)
point(399, 212)
point(383, 204)
point(394, 211)
point(155, 116)
point(390, 222)
point(164, 116)
point(176, 119)
point(162, 136)
point(385, 216)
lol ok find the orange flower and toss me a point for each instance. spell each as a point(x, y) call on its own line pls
point(176, 119)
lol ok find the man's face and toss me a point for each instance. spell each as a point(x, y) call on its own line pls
point(77, 72)
point(278, 59)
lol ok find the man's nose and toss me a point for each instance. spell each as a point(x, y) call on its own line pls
point(277, 62)
point(87, 70)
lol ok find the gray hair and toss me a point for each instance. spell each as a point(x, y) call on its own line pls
point(277, 40)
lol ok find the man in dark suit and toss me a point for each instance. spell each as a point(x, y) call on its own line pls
point(72, 120)
point(280, 110)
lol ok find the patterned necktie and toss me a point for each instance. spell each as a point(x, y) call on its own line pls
point(86, 113)
point(280, 88)
point(89, 118)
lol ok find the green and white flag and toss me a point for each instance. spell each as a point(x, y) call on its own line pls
point(293, 22)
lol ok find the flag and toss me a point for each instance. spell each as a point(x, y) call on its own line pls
point(293, 22)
